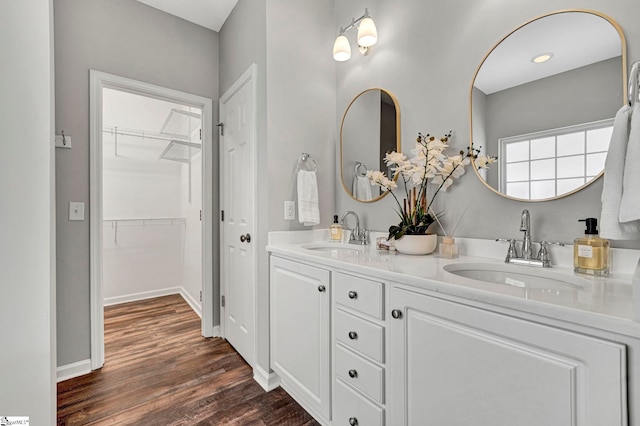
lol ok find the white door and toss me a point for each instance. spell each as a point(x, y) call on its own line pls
point(237, 158)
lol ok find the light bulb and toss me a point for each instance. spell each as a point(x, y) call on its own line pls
point(341, 49)
point(367, 33)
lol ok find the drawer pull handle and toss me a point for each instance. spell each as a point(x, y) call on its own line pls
point(353, 374)
point(353, 335)
point(321, 288)
point(353, 421)
point(396, 313)
point(353, 295)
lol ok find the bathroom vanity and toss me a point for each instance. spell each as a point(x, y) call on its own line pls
point(366, 337)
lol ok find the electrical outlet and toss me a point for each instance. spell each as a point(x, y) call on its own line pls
point(289, 210)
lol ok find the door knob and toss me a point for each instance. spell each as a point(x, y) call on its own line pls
point(353, 374)
point(353, 421)
point(396, 313)
point(353, 335)
point(245, 238)
point(321, 288)
point(353, 295)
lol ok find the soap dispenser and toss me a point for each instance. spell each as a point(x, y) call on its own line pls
point(591, 253)
point(335, 230)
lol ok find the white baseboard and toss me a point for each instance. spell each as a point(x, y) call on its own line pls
point(216, 331)
point(142, 296)
point(268, 381)
point(69, 371)
point(191, 301)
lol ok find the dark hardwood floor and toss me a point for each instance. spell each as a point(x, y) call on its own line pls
point(159, 370)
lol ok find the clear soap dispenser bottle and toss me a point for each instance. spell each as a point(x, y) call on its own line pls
point(335, 230)
point(591, 253)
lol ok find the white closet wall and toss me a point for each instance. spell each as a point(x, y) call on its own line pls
point(151, 205)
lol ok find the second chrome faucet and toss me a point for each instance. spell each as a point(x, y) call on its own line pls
point(527, 258)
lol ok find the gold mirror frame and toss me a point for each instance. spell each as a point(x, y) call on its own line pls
point(623, 47)
point(342, 141)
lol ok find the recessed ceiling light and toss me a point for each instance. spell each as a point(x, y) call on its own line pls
point(543, 57)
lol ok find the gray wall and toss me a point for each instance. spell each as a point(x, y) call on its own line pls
point(427, 55)
point(296, 106)
point(27, 227)
point(130, 39)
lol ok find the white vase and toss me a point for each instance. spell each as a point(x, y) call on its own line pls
point(416, 244)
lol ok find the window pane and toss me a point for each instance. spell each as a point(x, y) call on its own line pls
point(571, 166)
point(518, 190)
point(517, 151)
point(568, 185)
point(595, 163)
point(598, 139)
point(543, 148)
point(517, 172)
point(571, 143)
point(543, 169)
point(543, 189)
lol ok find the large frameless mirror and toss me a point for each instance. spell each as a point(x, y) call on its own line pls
point(370, 128)
point(543, 101)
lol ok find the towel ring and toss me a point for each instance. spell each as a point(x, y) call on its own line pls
point(306, 159)
point(360, 169)
point(634, 83)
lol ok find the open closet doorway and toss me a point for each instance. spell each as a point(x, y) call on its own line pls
point(150, 204)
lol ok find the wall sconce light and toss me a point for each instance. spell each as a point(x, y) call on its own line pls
point(367, 37)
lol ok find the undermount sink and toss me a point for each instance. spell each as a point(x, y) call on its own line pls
point(333, 247)
point(517, 276)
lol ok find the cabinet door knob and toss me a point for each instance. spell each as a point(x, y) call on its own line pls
point(353, 335)
point(353, 421)
point(321, 288)
point(396, 313)
point(246, 238)
point(353, 295)
point(353, 374)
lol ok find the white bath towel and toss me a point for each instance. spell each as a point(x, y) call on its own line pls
point(361, 189)
point(308, 208)
point(610, 226)
point(630, 203)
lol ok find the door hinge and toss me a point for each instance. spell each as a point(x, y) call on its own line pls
point(221, 125)
point(200, 215)
point(222, 301)
point(200, 134)
point(222, 215)
point(201, 296)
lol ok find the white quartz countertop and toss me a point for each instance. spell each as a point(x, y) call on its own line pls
point(603, 303)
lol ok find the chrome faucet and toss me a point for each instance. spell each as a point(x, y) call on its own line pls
point(542, 259)
point(525, 226)
point(358, 235)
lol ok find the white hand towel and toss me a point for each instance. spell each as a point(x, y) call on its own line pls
point(610, 226)
point(308, 209)
point(361, 188)
point(630, 202)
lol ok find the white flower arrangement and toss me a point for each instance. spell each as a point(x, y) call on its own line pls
point(428, 163)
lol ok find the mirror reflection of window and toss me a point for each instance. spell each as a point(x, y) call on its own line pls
point(583, 80)
point(547, 164)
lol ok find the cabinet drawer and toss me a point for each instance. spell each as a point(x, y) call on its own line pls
point(360, 294)
point(351, 408)
point(359, 334)
point(359, 373)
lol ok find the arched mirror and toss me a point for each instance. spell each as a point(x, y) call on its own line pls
point(370, 128)
point(543, 101)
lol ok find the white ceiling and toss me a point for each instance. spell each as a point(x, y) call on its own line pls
point(576, 40)
point(207, 13)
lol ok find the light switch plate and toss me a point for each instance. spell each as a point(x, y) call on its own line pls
point(63, 142)
point(76, 210)
point(289, 210)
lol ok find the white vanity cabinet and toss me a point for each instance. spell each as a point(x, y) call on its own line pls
point(300, 309)
point(452, 364)
point(359, 350)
